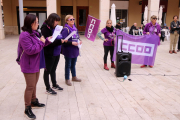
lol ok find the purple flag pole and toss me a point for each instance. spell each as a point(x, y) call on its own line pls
point(143, 48)
point(92, 26)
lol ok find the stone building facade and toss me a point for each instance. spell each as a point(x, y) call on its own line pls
point(129, 10)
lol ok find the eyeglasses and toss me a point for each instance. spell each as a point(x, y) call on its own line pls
point(72, 19)
point(155, 18)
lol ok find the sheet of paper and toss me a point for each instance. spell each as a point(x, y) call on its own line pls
point(57, 31)
point(70, 35)
point(79, 46)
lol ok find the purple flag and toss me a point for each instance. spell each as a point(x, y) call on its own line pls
point(92, 28)
point(143, 48)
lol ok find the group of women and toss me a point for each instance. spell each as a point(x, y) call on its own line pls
point(36, 52)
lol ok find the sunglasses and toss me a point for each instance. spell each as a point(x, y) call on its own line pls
point(155, 18)
point(72, 19)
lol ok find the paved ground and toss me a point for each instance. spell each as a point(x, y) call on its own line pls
point(100, 95)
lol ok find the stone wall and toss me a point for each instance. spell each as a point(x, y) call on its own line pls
point(134, 13)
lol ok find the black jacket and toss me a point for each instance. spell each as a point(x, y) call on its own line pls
point(47, 32)
point(131, 30)
point(174, 25)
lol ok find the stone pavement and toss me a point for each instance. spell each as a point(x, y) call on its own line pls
point(100, 95)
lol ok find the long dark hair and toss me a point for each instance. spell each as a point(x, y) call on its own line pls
point(51, 18)
point(28, 21)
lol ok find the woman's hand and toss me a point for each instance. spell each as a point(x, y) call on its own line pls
point(49, 38)
point(147, 33)
point(64, 41)
point(75, 43)
point(80, 42)
point(159, 35)
point(106, 40)
point(43, 39)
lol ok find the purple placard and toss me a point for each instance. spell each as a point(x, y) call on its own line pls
point(143, 48)
point(92, 28)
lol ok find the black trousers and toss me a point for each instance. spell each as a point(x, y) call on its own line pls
point(51, 65)
point(162, 38)
point(179, 43)
point(106, 51)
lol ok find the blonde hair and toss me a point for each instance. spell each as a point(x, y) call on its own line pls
point(153, 16)
point(108, 21)
point(67, 17)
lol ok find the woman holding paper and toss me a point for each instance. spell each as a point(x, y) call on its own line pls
point(109, 33)
point(152, 28)
point(30, 60)
point(70, 52)
point(52, 52)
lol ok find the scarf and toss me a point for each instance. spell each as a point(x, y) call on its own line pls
point(110, 29)
point(152, 28)
point(71, 28)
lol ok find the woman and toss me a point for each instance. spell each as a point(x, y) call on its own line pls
point(29, 48)
point(141, 27)
point(152, 28)
point(174, 34)
point(70, 52)
point(109, 33)
point(52, 53)
point(163, 32)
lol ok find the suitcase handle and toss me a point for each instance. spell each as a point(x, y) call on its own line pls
point(118, 41)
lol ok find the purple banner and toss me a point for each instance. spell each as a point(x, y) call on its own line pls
point(92, 28)
point(143, 48)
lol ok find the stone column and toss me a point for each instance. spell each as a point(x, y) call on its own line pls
point(2, 36)
point(104, 7)
point(51, 6)
point(153, 8)
point(21, 15)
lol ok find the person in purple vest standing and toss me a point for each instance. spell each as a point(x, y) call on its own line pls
point(109, 34)
point(152, 28)
point(70, 52)
point(29, 57)
point(52, 53)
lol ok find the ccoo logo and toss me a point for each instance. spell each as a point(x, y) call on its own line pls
point(137, 48)
point(91, 27)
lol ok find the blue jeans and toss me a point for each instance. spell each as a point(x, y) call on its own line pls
point(70, 64)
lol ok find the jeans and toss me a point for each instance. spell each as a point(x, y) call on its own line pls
point(51, 65)
point(106, 51)
point(70, 64)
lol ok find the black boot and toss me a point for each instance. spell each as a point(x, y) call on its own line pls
point(36, 104)
point(28, 112)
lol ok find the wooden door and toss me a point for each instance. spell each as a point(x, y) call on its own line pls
point(82, 14)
